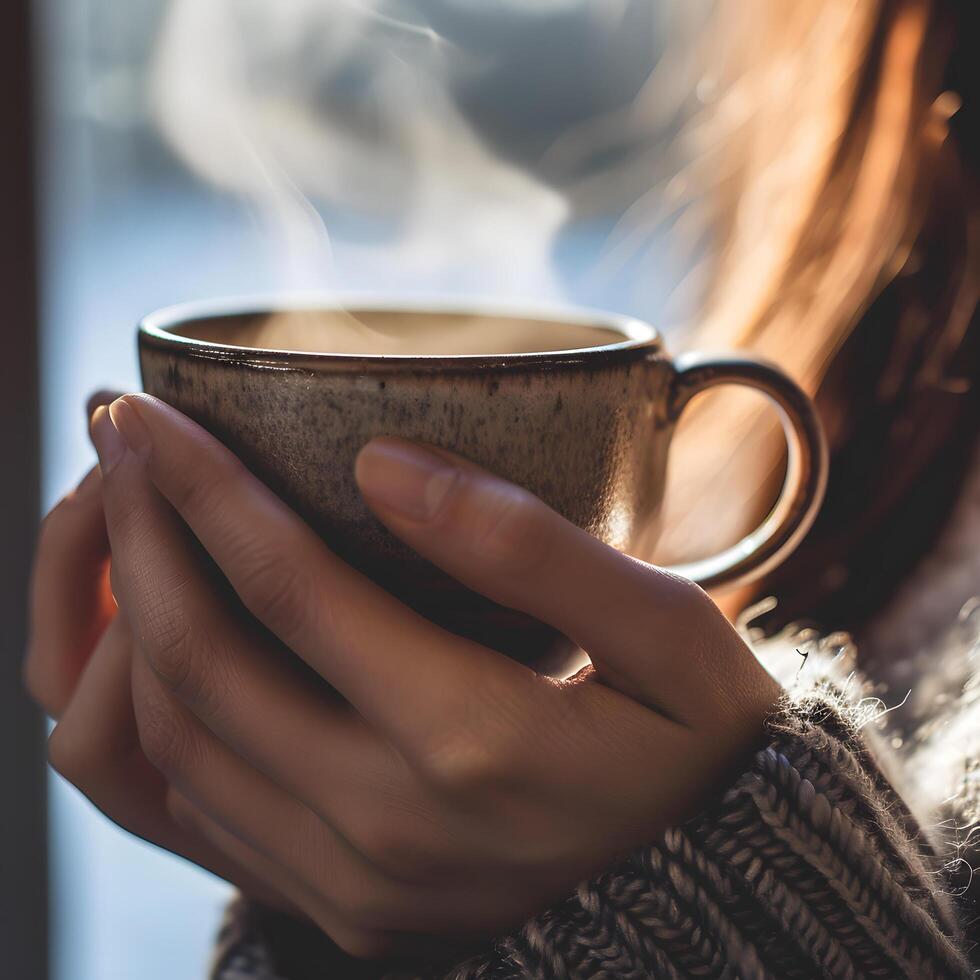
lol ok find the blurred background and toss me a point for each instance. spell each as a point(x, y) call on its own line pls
point(199, 148)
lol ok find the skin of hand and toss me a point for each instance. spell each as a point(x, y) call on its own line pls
point(261, 708)
point(78, 669)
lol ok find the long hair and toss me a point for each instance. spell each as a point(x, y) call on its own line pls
point(833, 174)
point(846, 219)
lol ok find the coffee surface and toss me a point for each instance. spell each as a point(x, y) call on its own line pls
point(397, 333)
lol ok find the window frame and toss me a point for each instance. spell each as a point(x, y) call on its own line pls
point(23, 813)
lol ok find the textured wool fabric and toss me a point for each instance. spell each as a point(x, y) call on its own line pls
point(808, 866)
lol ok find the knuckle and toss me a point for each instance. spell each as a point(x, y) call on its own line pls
point(464, 765)
point(509, 526)
point(197, 668)
point(485, 747)
point(199, 489)
point(687, 600)
point(686, 595)
point(125, 511)
point(277, 592)
point(168, 642)
point(163, 737)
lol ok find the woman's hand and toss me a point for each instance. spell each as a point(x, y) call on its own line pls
point(78, 667)
point(431, 787)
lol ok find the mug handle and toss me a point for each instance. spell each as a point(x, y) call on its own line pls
point(806, 466)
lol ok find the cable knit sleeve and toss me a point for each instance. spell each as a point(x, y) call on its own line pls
point(808, 866)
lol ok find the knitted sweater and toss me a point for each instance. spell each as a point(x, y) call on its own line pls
point(808, 865)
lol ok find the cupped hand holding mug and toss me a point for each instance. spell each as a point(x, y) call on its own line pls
point(262, 708)
point(435, 786)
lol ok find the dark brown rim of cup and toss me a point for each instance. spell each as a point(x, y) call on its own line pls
point(156, 330)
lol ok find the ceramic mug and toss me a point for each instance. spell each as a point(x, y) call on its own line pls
point(578, 407)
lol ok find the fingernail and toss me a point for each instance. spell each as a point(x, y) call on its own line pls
point(126, 418)
point(405, 478)
point(109, 444)
point(104, 396)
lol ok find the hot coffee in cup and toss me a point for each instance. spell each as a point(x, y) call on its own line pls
point(578, 407)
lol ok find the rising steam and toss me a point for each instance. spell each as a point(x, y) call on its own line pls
point(305, 107)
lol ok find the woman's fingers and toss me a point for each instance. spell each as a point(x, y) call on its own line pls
point(96, 748)
point(392, 832)
point(356, 895)
point(653, 635)
point(356, 942)
point(362, 936)
point(104, 396)
point(346, 926)
point(378, 653)
point(95, 745)
point(206, 772)
point(71, 604)
point(348, 886)
point(221, 666)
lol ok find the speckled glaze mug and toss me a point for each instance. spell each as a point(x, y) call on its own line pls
point(579, 407)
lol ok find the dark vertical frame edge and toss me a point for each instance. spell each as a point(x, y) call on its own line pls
point(23, 822)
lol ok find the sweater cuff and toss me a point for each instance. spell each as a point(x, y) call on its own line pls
point(809, 865)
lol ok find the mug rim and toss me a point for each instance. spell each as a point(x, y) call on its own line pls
point(157, 329)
